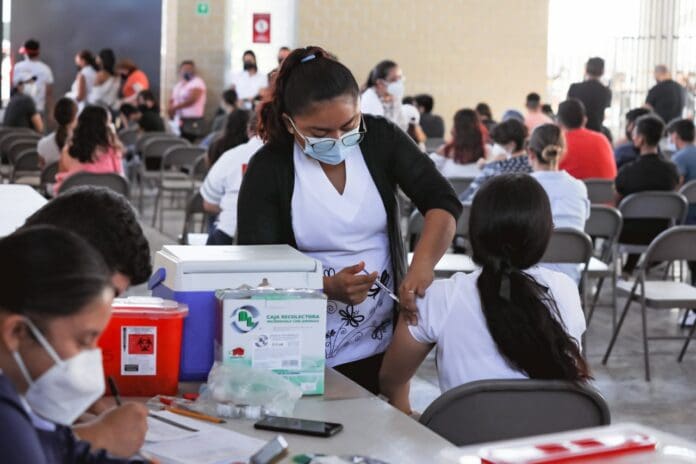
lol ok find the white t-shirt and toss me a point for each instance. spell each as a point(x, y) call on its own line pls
point(370, 103)
point(248, 86)
point(570, 207)
point(222, 183)
point(451, 169)
point(450, 316)
point(341, 230)
point(44, 77)
point(90, 75)
point(48, 148)
point(106, 93)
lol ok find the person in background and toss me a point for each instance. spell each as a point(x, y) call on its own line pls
point(466, 147)
point(84, 80)
point(187, 104)
point(592, 93)
point(433, 126)
point(535, 117)
point(220, 190)
point(128, 117)
point(94, 147)
point(509, 137)
point(21, 110)
point(513, 114)
point(512, 319)
point(415, 131)
point(548, 111)
point(681, 134)
point(384, 90)
point(50, 365)
point(667, 97)
point(283, 53)
point(235, 133)
point(249, 82)
point(588, 154)
point(649, 172)
point(570, 204)
point(483, 110)
point(133, 80)
point(50, 146)
point(228, 104)
point(106, 84)
point(150, 118)
point(626, 152)
point(326, 182)
point(32, 66)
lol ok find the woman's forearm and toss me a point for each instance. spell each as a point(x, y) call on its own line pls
point(438, 232)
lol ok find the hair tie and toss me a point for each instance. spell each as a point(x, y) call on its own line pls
point(308, 58)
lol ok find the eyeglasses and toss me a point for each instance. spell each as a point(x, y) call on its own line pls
point(322, 145)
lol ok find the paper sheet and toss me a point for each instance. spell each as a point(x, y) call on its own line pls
point(159, 431)
point(212, 444)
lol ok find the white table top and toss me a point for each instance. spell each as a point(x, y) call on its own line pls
point(451, 263)
point(670, 448)
point(371, 427)
point(17, 203)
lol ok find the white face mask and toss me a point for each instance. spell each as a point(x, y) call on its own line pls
point(396, 89)
point(68, 388)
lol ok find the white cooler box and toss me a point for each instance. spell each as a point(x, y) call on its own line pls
point(192, 274)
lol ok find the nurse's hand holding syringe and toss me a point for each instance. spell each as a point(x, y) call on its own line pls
point(350, 285)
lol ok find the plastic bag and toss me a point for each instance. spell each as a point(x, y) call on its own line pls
point(239, 384)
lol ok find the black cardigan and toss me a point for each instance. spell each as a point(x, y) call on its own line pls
point(393, 159)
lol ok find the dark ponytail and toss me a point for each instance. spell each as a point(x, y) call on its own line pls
point(64, 113)
point(308, 75)
point(547, 144)
point(510, 227)
point(46, 272)
point(381, 71)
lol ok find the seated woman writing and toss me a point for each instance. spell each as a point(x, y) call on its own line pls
point(510, 319)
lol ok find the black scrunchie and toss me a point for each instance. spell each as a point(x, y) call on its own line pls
point(505, 269)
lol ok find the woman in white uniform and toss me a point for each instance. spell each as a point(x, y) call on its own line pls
point(383, 93)
point(326, 183)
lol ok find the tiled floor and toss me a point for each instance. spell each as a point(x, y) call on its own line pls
point(668, 402)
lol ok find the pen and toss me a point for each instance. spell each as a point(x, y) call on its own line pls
point(114, 391)
point(385, 288)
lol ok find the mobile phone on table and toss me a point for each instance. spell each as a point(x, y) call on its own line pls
point(300, 426)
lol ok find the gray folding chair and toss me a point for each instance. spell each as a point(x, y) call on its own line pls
point(460, 184)
point(600, 191)
point(145, 137)
point(490, 410)
point(25, 169)
point(689, 191)
point(604, 223)
point(19, 146)
point(414, 229)
point(176, 176)
point(671, 206)
point(129, 137)
point(47, 177)
point(115, 182)
point(674, 244)
point(570, 246)
point(461, 236)
point(154, 147)
point(193, 208)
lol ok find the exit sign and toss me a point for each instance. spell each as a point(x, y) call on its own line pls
point(203, 8)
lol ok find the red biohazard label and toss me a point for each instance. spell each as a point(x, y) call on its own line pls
point(141, 343)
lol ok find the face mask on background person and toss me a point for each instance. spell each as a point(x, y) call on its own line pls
point(396, 89)
point(187, 76)
point(328, 150)
point(68, 388)
point(248, 65)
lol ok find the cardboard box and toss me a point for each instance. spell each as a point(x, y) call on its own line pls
point(280, 330)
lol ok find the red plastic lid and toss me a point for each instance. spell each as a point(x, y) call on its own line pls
point(147, 306)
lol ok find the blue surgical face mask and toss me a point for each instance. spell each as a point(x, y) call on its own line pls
point(187, 76)
point(328, 150)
